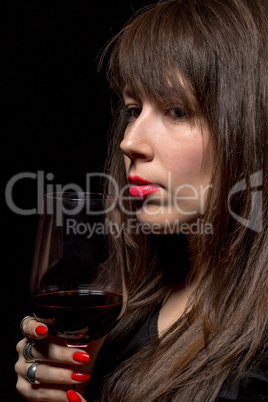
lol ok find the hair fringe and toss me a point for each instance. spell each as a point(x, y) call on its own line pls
point(224, 329)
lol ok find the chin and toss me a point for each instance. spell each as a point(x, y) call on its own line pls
point(157, 222)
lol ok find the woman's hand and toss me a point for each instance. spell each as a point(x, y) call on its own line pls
point(55, 374)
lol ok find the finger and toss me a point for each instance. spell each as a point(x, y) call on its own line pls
point(51, 352)
point(41, 392)
point(74, 396)
point(34, 329)
point(47, 374)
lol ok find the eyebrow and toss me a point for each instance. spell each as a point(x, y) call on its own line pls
point(127, 92)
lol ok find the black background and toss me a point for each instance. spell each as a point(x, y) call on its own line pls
point(56, 112)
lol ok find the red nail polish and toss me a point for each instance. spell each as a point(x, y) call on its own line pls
point(73, 396)
point(81, 357)
point(41, 330)
point(78, 376)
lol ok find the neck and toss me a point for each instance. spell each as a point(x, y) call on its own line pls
point(194, 251)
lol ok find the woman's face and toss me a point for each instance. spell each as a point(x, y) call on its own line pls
point(168, 161)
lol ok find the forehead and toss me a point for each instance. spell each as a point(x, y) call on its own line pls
point(151, 58)
point(162, 86)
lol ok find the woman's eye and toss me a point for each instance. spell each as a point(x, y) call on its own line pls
point(176, 113)
point(132, 112)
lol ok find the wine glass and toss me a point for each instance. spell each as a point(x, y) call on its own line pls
point(78, 283)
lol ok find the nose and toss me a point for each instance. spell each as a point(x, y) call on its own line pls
point(137, 143)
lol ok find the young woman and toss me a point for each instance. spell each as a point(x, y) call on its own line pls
point(191, 133)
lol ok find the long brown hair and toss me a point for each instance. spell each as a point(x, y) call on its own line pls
point(219, 50)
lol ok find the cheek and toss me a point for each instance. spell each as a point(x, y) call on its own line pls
point(191, 161)
point(191, 171)
point(185, 163)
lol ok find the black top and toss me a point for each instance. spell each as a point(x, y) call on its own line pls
point(251, 387)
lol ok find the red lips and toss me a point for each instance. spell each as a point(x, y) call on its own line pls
point(138, 180)
point(142, 187)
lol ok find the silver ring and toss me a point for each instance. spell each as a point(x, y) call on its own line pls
point(27, 352)
point(31, 373)
point(22, 321)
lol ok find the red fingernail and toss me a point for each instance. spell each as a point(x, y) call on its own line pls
point(41, 330)
point(73, 396)
point(81, 357)
point(78, 376)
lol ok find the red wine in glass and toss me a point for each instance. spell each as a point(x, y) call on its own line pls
point(79, 316)
point(78, 284)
